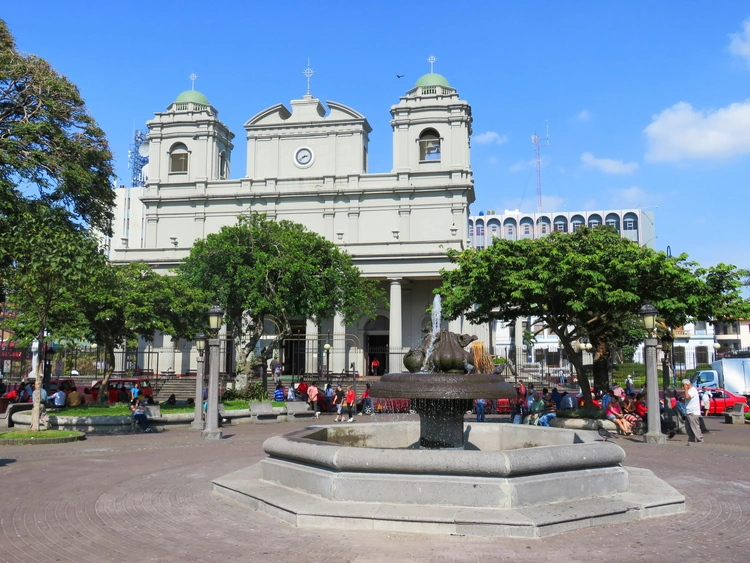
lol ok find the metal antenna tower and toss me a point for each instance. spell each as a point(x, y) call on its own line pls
point(137, 158)
point(535, 141)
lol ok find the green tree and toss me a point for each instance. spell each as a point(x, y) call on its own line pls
point(259, 268)
point(51, 149)
point(123, 303)
point(46, 279)
point(588, 283)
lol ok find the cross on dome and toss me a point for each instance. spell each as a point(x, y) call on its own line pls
point(432, 59)
point(193, 77)
point(308, 72)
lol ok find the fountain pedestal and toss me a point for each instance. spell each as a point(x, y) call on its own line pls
point(442, 400)
point(441, 422)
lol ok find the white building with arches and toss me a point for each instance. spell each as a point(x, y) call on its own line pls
point(633, 224)
point(308, 163)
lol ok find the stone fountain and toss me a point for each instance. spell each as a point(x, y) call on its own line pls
point(443, 475)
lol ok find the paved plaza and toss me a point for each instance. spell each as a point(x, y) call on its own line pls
point(147, 497)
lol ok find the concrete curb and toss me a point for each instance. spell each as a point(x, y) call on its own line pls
point(34, 441)
point(257, 413)
point(582, 423)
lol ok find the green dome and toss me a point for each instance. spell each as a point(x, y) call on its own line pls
point(192, 96)
point(433, 79)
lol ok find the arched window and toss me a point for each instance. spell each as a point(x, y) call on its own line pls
point(429, 145)
point(178, 159)
point(223, 165)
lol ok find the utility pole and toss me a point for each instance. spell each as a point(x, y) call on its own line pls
point(535, 141)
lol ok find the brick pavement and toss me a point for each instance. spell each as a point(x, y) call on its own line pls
point(148, 498)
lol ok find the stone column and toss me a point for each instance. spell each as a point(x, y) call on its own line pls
point(212, 431)
point(518, 341)
point(395, 337)
point(653, 435)
point(198, 419)
point(312, 344)
point(338, 345)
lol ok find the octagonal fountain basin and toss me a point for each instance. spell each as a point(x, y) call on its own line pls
point(510, 480)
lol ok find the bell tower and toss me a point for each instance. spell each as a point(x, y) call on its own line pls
point(431, 127)
point(188, 143)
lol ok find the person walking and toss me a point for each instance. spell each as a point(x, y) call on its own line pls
point(329, 397)
point(351, 402)
point(693, 409)
point(312, 397)
point(338, 399)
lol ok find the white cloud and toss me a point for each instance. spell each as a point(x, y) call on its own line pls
point(493, 160)
point(490, 137)
point(522, 165)
point(682, 133)
point(584, 115)
point(608, 165)
point(552, 203)
point(590, 205)
point(630, 197)
point(740, 43)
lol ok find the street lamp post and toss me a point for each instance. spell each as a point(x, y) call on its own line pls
point(327, 348)
point(211, 431)
point(654, 435)
point(200, 345)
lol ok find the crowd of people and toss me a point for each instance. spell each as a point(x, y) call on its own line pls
point(628, 410)
point(344, 402)
point(23, 392)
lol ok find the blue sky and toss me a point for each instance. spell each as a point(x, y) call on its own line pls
point(647, 102)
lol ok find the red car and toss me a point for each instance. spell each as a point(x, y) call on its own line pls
point(723, 400)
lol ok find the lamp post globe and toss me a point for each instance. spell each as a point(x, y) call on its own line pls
point(327, 348)
point(215, 316)
point(648, 315)
point(200, 342)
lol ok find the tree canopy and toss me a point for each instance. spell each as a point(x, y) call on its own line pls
point(258, 268)
point(47, 278)
point(51, 149)
point(588, 283)
point(123, 303)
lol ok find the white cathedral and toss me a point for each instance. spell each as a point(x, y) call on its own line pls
point(308, 163)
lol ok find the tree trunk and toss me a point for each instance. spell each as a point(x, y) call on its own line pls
point(600, 369)
point(103, 391)
point(583, 380)
point(36, 410)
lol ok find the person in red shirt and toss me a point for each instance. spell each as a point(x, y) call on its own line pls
point(302, 389)
point(366, 401)
point(351, 398)
point(375, 366)
point(641, 409)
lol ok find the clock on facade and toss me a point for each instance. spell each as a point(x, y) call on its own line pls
point(303, 157)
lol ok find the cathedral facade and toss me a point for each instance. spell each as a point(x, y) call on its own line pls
point(308, 163)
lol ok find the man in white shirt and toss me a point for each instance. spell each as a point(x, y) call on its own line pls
point(693, 408)
point(59, 398)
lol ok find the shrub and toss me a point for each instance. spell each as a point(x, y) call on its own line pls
point(498, 361)
point(583, 412)
point(253, 392)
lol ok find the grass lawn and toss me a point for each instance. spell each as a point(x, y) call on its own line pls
point(235, 405)
point(20, 434)
point(116, 410)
